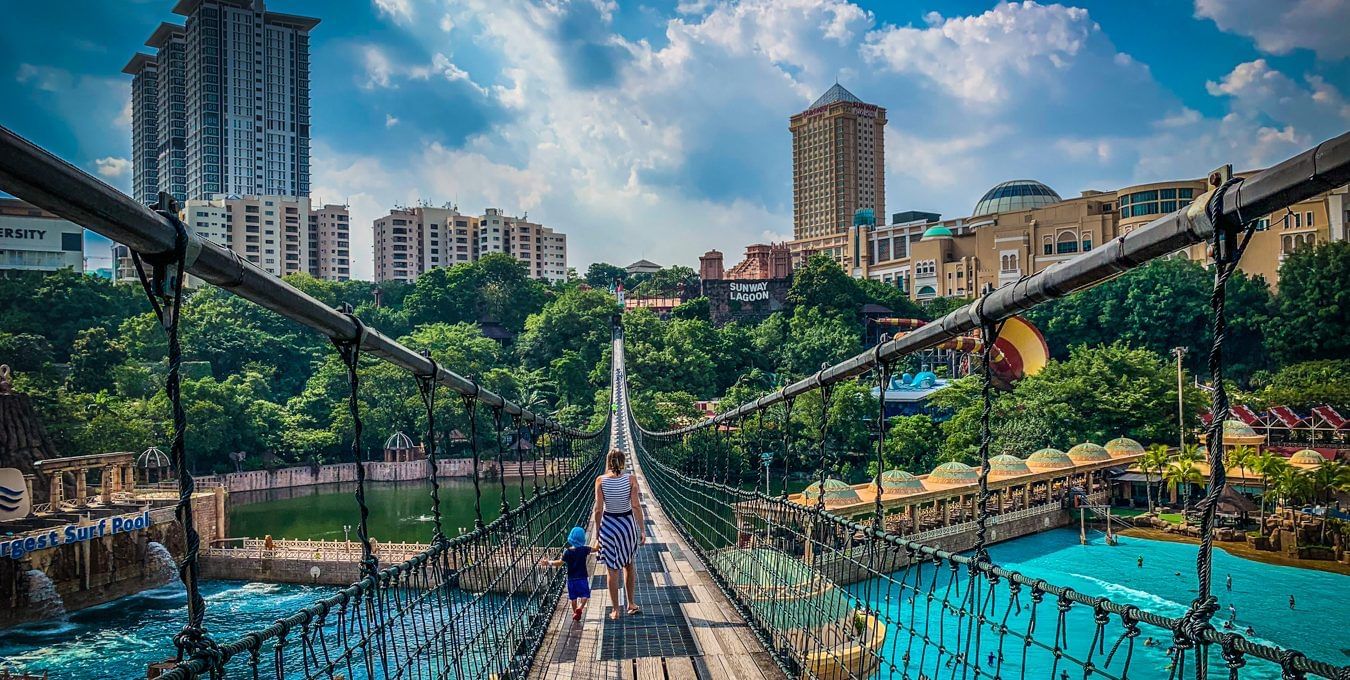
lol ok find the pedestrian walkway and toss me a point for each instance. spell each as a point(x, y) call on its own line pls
point(687, 629)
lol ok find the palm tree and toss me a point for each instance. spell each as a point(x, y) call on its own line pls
point(1182, 474)
point(1267, 464)
point(1329, 478)
point(1155, 459)
point(1293, 485)
point(1187, 457)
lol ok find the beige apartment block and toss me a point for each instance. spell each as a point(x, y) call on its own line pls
point(410, 241)
point(329, 254)
point(838, 163)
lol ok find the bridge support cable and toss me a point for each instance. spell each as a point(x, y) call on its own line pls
point(835, 598)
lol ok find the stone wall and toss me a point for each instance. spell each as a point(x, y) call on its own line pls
point(92, 572)
point(377, 471)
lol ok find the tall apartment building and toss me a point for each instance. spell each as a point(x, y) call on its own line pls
point(231, 87)
point(838, 163)
point(279, 234)
point(330, 243)
point(412, 241)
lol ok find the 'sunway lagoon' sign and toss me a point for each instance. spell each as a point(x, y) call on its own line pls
point(749, 292)
point(16, 548)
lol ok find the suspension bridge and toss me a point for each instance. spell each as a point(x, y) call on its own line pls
point(735, 582)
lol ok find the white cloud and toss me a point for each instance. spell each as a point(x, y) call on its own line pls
point(379, 67)
point(1281, 26)
point(390, 120)
point(979, 58)
point(447, 23)
point(398, 10)
point(112, 167)
point(47, 78)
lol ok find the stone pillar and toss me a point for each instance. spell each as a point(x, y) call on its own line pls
point(28, 485)
point(942, 512)
point(1026, 495)
point(105, 484)
point(129, 478)
point(81, 487)
point(55, 490)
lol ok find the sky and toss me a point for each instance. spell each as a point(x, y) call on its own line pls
point(658, 129)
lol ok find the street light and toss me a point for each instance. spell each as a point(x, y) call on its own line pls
point(1180, 352)
point(346, 533)
point(766, 458)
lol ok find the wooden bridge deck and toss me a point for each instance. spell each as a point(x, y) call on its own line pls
point(687, 629)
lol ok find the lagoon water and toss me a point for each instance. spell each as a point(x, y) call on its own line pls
point(119, 639)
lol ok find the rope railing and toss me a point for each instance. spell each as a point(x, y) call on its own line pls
point(837, 598)
point(472, 606)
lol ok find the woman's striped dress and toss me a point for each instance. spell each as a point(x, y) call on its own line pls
point(618, 531)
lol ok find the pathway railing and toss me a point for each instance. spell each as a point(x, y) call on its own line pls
point(835, 598)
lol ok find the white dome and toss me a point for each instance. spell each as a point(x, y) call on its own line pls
point(1017, 194)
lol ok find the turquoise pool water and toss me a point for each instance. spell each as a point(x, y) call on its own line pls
point(1319, 626)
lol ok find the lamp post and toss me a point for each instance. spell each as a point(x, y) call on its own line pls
point(766, 458)
point(346, 533)
point(1180, 352)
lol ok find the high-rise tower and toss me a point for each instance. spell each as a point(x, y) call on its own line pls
point(838, 163)
point(232, 91)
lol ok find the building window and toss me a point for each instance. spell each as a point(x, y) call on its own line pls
point(1065, 243)
point(1087, 242)
point(1046, 245)
point(72, 243)
point(1308, 218)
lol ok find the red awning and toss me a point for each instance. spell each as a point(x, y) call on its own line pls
point(1245, 414)
point(1334, 419)
point(1286, 416)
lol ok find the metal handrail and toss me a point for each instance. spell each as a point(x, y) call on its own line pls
point(41, 178)
point(1322, 168)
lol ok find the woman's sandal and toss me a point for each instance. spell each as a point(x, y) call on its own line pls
point(634, 611)
point(614, 615)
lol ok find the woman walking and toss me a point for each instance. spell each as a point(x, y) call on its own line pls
point(618, 514)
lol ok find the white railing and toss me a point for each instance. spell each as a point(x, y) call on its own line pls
point(953, 529)
point(304, 549)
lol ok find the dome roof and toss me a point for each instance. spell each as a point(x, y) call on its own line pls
point(1123, 446)
point(1018, 194)
point(835, 492)
point(397, 441)
point(938, 231)
point(1087, 452)
point(1049, 459)
point(1237, 428)
point(1004, 466)
point(1306, 458)
point(953, 473)
point(900, 482)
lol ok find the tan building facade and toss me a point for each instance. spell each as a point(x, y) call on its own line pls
point(412, 241)
point(838, 163)
point(1022, 227)
point(279, 234)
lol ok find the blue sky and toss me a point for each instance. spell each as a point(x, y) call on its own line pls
point(658, 129)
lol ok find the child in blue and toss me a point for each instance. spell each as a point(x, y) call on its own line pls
point(578, 577)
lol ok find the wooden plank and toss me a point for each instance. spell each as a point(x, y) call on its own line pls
point(680, 668)
point(650, 668)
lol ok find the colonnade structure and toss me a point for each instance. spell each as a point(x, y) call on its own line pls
point(117, 475)
point(950, 493)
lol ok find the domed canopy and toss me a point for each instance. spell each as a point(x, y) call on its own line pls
point(900, 482)
point(397, 441)
point(1049, 459)
point(1018, 194)
point(1306, 458)
point(1001, 467)
point(938, 231)
point(1087, 452)
point(1238, 428)
point(835, 492)
point(953, 473)
point(1123, 446)
point(153, 458)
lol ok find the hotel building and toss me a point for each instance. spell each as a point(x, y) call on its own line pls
point(838, 163)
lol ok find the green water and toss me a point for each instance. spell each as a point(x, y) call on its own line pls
point(399, 511)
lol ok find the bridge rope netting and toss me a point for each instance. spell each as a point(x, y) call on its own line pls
point(836, 598)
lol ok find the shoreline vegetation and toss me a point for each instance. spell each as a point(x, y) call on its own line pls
point(1242, 549)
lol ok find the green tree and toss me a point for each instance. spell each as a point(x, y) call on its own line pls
point(58, 305)
point(602, 275)
point(1154, 461)
point(1312, 310)
point(912, 443)
point(671, 281)
point(822, 285)
point(25, 351)
point(1181, 474)
point(495, 288)
point(1307, 384)
point(1161, 305)
point(577, 321)
point(1269, 465)
point(93, 356)
point(696, 308)
point(816, 337)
